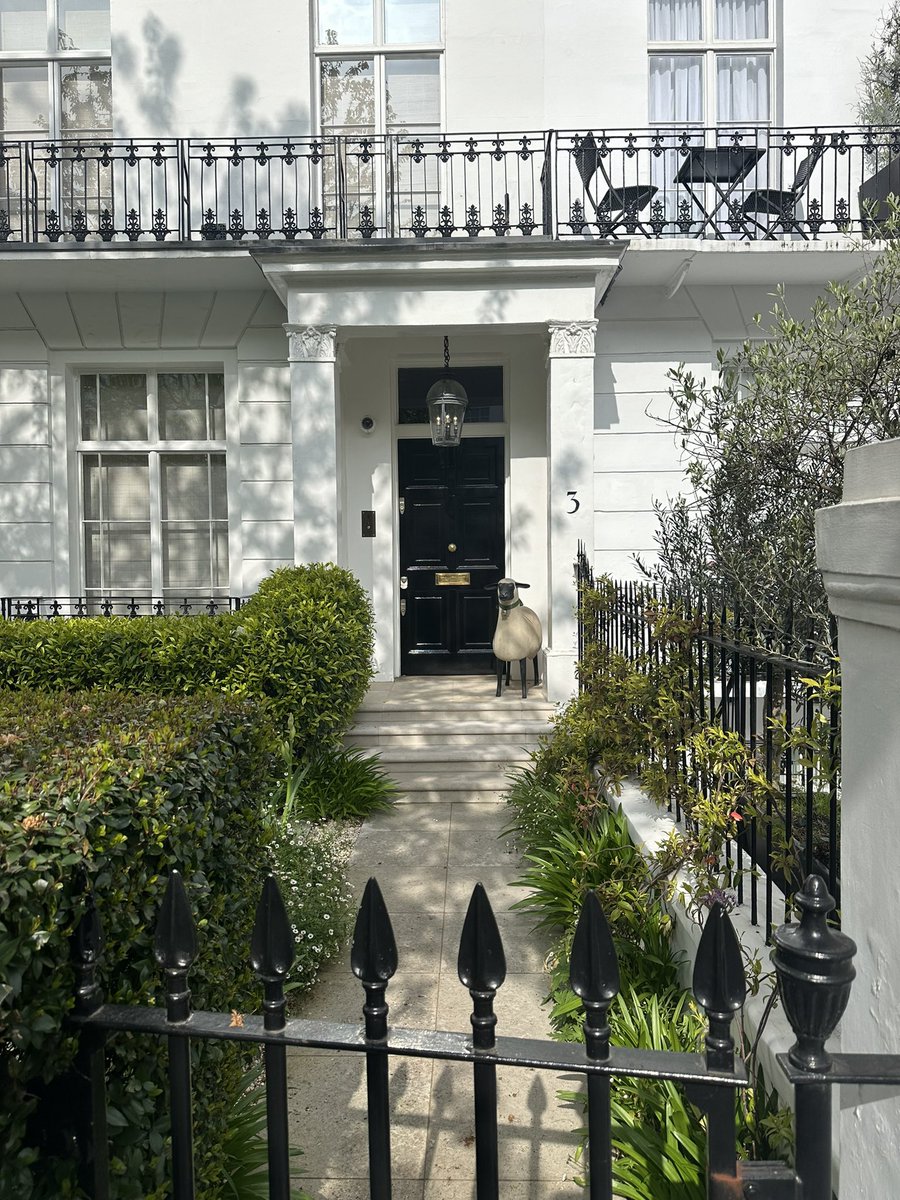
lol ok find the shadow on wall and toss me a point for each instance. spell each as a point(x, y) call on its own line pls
point(161, 73)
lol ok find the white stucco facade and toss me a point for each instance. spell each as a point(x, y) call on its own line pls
point(308, 336)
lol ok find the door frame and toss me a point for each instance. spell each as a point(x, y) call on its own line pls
point(495, 429)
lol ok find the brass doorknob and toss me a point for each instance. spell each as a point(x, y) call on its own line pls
point(452, 547)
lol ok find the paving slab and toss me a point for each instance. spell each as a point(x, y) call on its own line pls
point(409, 815)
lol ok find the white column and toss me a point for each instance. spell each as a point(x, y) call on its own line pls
point(858, 551)
point(570, 490)
point(314, 424)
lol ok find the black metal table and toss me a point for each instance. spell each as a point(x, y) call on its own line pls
point(724, 167)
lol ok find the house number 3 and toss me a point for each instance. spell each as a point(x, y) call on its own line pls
point(574, 502)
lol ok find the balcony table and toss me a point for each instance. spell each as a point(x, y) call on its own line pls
point(718, 166)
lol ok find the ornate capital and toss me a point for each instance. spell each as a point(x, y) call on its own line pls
point(312, 343)
point(572, 339)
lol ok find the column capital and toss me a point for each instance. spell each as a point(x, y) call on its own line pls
point(572, 339)
point(311, 343)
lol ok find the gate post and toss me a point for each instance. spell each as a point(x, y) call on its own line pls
point(858, 551)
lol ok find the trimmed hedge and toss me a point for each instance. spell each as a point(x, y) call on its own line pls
point(303, 644)
point(121, 788)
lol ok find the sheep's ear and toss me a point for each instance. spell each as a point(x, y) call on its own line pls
point(522, 585)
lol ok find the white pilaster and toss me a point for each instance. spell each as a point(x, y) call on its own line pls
point(570, 493)
point(315, 425)
point(858, 551)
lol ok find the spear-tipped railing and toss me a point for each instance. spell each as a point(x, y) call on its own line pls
point(812, 961)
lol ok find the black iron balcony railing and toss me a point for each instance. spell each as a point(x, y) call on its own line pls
point(658, 183)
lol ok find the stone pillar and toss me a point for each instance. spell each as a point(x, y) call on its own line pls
point(315, 425)
point(570, 488)
point(858, 551)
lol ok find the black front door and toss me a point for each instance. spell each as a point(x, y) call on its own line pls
point(451, 547)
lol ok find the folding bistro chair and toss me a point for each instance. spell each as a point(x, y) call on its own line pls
point(620, 205)
point(782, 203)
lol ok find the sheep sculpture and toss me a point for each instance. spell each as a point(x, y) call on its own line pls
point(518, 635)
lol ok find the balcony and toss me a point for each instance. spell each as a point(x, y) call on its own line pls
point(750, 184)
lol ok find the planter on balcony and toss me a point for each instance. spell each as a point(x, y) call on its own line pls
point(874, 194)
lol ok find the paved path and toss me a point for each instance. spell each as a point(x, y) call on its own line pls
point(427, 856)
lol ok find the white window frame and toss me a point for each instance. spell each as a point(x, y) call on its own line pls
point(52, 58)
point(153, 447)
point(708, 47)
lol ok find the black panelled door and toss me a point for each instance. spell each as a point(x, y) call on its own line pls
point(451, 547)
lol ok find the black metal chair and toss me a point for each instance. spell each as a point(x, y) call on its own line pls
point(619, 206)
point(781, 203)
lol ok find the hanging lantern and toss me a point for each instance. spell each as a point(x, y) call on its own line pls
point(446, 402)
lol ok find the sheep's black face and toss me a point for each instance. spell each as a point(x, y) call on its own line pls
point(506, 590)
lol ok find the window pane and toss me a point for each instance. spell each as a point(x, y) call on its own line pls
point(23, 25)
point(218, 487)
point(676, 88)
point(83, 24)
point(220, 555)
point(743, 88)
point(24, 102)
point(123, 408)
point(484, 387)
point(413, 93)
point(184, 480)
point(216, 388)
point(742, 20)
point(345, 22)
point(348, 96)
point(186, 557)
point(124, 487)
point(675, 21)
point(412, 21)
point(89, 407)
point(90, 466)
point(182, 407)
point(85, 99)
point(126, 558)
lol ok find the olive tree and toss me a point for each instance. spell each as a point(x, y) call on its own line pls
point(765, 443)
point(879, 85)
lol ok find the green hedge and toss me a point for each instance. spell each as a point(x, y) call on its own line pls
point(303, 643)
point(122, 788)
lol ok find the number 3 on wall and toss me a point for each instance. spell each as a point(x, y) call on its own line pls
point(574, 502)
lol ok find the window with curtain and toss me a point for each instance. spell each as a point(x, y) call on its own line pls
point(154, 506)
point(710, 62)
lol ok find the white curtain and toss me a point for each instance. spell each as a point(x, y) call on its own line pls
point(742, 20)
point(742, 82)
point(675, 21)
point(676, 89)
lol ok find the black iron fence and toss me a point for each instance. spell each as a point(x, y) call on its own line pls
point(749, 183)
point(34, 608)
point(780, 699)
point(813, 964)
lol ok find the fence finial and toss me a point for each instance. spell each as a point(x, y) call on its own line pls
point(719, 985)
point(373, 957)
point(815, 972)
point(175, 947)
point(272, 951)
point(87, 946)
point(481, 965)
point(594, 974)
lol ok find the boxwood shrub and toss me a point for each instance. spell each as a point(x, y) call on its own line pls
point(302, 643)
point(118, 789)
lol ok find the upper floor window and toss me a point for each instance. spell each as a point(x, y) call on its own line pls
point(55, 73)
point(377, 88)
point(710, 62)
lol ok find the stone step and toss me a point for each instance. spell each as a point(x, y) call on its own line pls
point(433, 785)
point(389, 726)
point(386, 743)
point(504, 709)
point(467, 757)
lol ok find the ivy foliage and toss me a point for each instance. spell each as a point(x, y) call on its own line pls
point(114, 790)
point(302, 644)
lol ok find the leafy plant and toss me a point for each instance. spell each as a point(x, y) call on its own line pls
point(338, 783)
point(244, 1150)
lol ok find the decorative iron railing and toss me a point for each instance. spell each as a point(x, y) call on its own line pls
point(812, 962)
point(751, 183)
point(765, 689)
point(34, 608)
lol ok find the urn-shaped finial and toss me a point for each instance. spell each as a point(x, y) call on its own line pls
point(815, 971)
